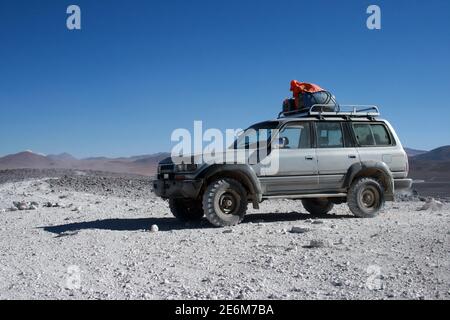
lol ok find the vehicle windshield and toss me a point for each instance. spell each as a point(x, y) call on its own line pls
point(257, 136)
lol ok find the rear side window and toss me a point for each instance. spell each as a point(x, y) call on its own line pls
point(329, 135)
point(364, 134)
point(381, 135)
point(372, 134)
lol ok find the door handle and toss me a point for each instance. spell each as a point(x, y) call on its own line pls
point(352, 156)
point(309, 158)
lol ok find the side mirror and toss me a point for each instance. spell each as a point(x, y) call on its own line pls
point(280, 143)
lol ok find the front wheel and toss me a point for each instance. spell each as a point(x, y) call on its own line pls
point(365, 197)
point(186, 209)
point(225, 202)
point(317, 206)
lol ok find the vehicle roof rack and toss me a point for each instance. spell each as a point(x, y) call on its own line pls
point(350, 111)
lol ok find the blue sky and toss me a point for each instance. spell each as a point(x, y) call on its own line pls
point(139, 69)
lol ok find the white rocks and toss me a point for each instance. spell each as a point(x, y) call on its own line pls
point(431, 204)
point(147, 296)
point(315, 243)
point(51, 205)
point(299, 229)
point(22, 205)
point(2, 210)
point(120, 259)
point(240, 296)
point(337, 283)
point(154, 228)
point(317, 222)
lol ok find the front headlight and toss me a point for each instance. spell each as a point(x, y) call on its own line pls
point(190, 167)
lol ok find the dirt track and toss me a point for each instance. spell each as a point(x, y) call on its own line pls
point(97, 244)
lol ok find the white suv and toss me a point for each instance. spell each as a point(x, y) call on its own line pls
point(324, 158)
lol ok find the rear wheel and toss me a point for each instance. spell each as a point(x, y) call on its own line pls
point(366, 197)
point(317, 206)
point(225, 202)
point(186, 209)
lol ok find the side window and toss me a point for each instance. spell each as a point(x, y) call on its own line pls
point(329, 135)
point(363, 134)
point(380, 134)
point(297, 136)
point(369, 134)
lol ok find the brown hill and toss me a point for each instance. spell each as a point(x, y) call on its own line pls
point(414, 152)
point(26, 159)
point(143, 165)
point(438, 154)
point(431, 166)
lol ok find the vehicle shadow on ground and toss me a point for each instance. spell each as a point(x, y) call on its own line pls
point(171, 223)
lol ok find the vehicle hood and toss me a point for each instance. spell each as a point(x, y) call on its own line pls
point(227, 156)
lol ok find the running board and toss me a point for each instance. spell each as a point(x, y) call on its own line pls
point(307, 196)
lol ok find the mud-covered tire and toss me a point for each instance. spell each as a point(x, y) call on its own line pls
point(317, 206)
point(186, 209)
point(365, 197)
point(225, 202)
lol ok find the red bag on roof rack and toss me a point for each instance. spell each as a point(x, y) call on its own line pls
point(306, 95)
point(301, 87)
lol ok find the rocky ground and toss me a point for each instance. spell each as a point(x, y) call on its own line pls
point(88, 235)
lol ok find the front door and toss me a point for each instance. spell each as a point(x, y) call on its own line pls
point(295, 161)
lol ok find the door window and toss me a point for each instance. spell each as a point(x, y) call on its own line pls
point(329, 135)
point(297, 136)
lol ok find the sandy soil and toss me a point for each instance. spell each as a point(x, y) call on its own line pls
point(98, 244)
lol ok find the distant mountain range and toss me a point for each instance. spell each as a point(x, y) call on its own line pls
point(143, 164)
point(431, 165)
point(438, 154)
point(414, 152)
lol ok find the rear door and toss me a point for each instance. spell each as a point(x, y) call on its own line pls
point(335, 153)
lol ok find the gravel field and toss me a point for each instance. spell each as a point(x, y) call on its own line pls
point(88, 235)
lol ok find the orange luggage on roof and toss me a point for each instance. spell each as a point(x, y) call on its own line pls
point(300, 87)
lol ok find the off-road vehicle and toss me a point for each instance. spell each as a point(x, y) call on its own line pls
point(324, 158)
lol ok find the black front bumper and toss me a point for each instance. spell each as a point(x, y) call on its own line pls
point(177, 188)
point(402, 184)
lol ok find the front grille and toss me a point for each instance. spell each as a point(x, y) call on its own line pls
point(166, 168)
